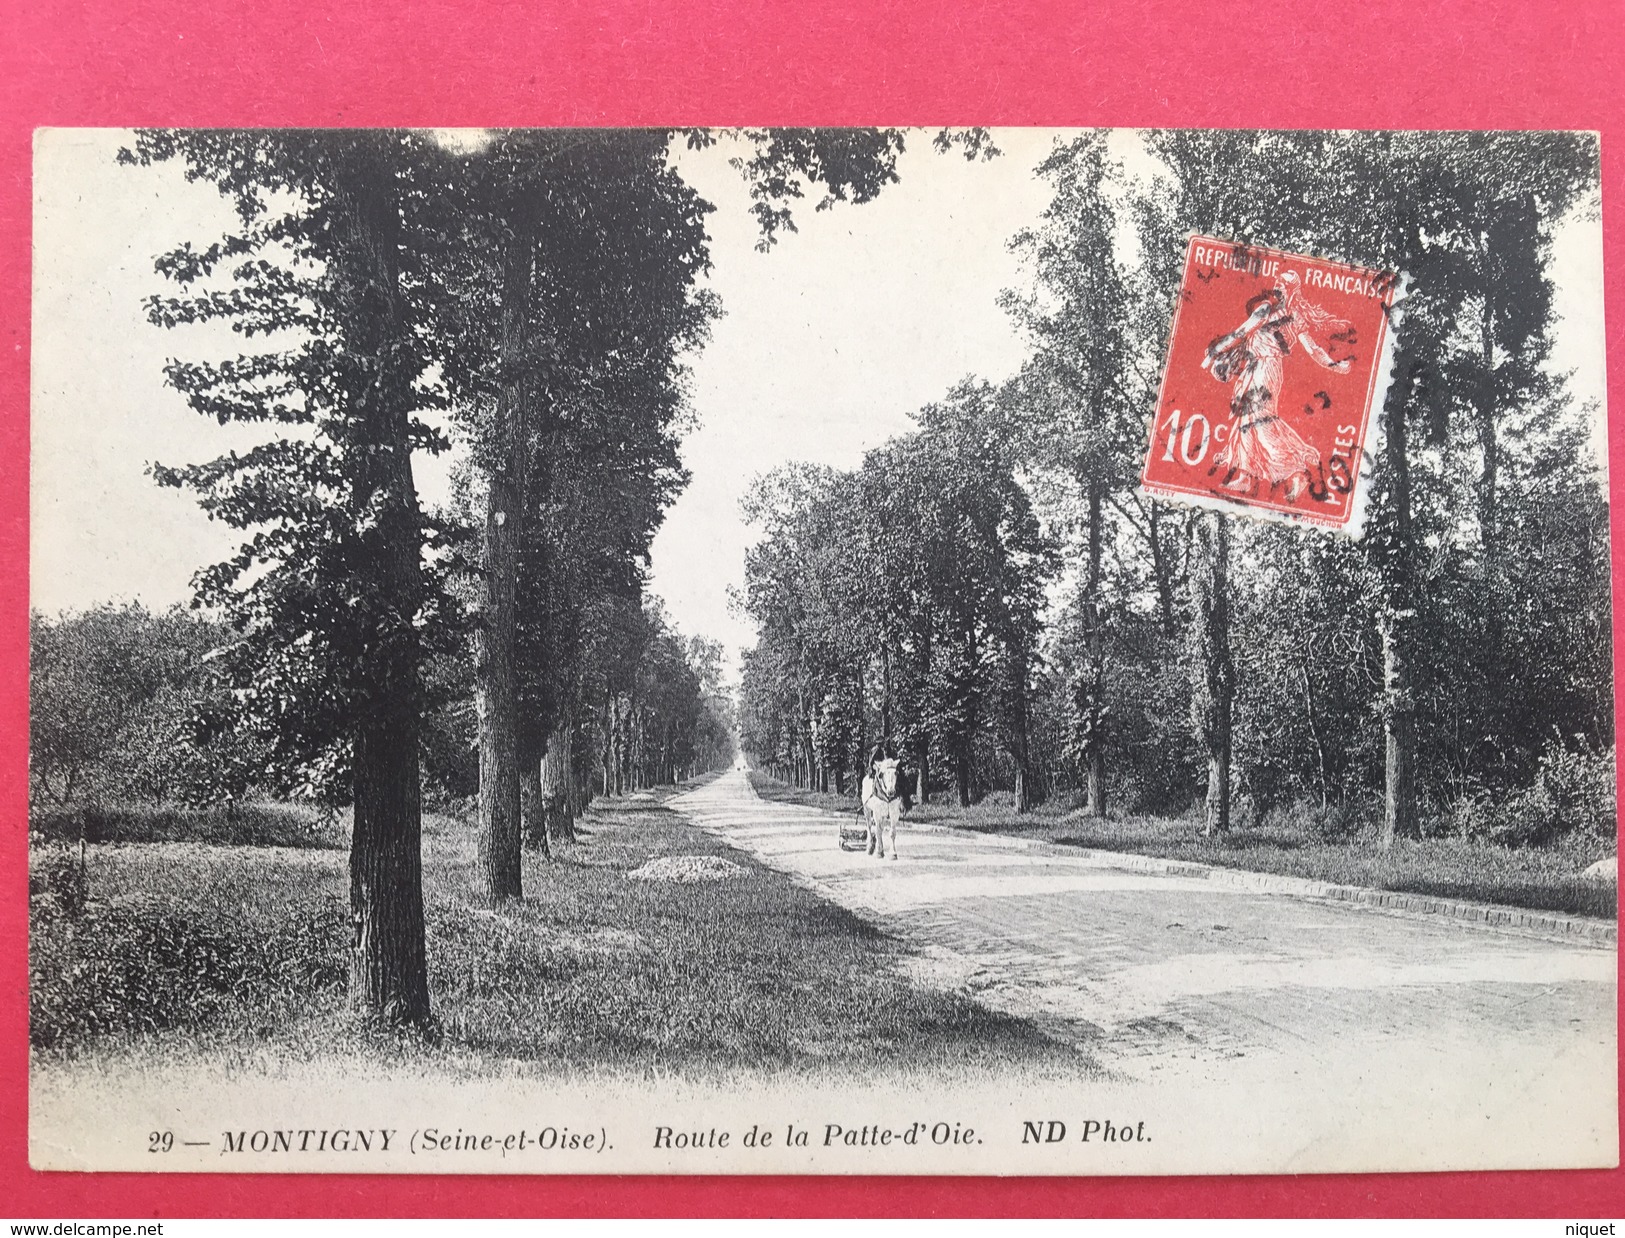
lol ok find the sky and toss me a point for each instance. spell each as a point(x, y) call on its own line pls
point(831, 340)
point(834, 337)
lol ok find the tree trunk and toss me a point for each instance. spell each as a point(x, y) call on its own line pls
point(1162, 569)
point(1096, 780)
point(1019, 746)
point(496, 664)
point(962, 786)
point(623, 774)
point(1494, 592)
point(532, 807)
point(570, 801)
point(885, 692)
point(623, 768)
point(606, 749)
point(1213, 689)
point(616, 744)
point(1216, 804)
point(1315, 732)
point(388, 960)
point(575, 800)
point(389, 975)
point(1399, 819)
point(1484, 407)
point(860, 751)
point(553, 785)
point(922, 784)
point(1094, 616)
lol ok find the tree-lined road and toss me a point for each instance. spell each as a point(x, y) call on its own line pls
point(1172, 977)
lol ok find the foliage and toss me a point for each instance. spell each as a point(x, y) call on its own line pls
point(1472, 416)
point(1572, 802)
point(142, 966)
point(252, 824)
point(121, 702)
point(330, 617)
point(899, 603)
point(57, 880)
point(849, 165)
point(1467, 628)
point(673, 723)
point(244, 949)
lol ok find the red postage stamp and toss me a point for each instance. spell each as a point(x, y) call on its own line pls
point(1277, 364)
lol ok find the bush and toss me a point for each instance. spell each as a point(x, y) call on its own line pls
point(57, 882)
point(249, 825)
point(1572, 799)
point(1164, 790)
point(141, 968)
point(1150, 793)
point(1345, 820)
point(1582, 786)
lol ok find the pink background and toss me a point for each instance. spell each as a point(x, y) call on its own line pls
point(414, 62)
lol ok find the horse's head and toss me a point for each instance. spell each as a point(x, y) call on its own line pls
point(886, 776)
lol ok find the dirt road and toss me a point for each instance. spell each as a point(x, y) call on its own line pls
point(1164, 976)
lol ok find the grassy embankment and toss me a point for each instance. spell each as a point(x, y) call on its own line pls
point(1539, 879)
point(242, 949)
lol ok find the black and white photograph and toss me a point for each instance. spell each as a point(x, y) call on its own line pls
point(883, 651)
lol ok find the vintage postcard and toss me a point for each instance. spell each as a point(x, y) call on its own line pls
point(834, 651)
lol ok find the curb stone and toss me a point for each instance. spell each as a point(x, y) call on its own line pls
point(1578, 930)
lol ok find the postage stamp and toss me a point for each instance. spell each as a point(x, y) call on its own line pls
point(1277, 367)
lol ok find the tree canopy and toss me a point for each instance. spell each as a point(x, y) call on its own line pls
point(1435, 665)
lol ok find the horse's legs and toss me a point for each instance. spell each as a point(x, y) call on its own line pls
point(871, 830)
point(891, 829)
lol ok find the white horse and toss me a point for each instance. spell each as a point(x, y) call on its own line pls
point(882, 803)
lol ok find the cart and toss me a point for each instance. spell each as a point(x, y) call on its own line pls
point(854, 833)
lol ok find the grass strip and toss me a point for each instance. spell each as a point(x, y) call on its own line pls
point(645, 944)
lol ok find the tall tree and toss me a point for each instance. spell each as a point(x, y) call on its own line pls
point(949, 638)
point(623, 187)
point(506, 517)
point(571, 383)
point(1213, 670)
point(1079, 405)
point(329, 594)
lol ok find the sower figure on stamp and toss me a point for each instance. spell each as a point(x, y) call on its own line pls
point(1263, 448)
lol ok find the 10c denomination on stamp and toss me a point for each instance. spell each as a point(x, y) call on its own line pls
point(1277, 364)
